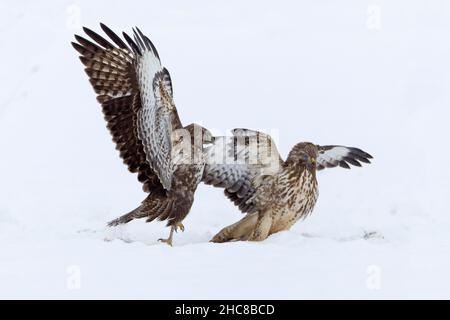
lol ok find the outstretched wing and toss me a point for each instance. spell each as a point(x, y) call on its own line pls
point(136, 97)
point(234, 163)
point(333, 156)
point(155, 118)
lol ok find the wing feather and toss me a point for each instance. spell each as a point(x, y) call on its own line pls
point(234, 163)
point(114, 37)
point(136, 96)
point(155, 119)
point(333, 156)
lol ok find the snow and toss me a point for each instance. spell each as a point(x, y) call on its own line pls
point(370, 74)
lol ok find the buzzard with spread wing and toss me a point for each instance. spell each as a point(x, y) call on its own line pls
point(136, 95)
point(273, 193)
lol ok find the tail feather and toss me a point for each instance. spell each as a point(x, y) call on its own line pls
point(165, 211)
point(153, 207)
point(135, 214)
point(154, 213)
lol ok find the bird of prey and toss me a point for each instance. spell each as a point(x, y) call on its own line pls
point(136, 96)
point(273, 193)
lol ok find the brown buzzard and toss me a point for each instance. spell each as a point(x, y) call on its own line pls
point(273, 193)
point(136, 95)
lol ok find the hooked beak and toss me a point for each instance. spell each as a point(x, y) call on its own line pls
point(311, 163)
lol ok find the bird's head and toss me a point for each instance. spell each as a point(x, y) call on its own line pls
point(304, 154)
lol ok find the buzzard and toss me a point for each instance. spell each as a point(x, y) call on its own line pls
point(273, 193)
point(136, 96)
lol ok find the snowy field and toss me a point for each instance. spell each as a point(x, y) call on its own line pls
point(372, 74)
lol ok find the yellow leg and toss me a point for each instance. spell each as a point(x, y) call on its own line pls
point(179, 225)
point(240, 230)
point(169, 239)
point(262, 229)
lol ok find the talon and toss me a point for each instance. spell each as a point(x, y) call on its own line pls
point(217, 239)
point(166, 241)
point(169, 239)
point(179, 225)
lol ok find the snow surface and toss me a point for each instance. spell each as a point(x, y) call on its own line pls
point(371, 74)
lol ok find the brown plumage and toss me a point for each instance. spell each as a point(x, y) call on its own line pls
point(273, 193)
point(136, 95)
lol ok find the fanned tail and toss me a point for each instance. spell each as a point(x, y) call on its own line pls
point(135, 214)
point(155, 206)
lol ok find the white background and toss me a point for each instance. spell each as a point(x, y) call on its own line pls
point(371, 74)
